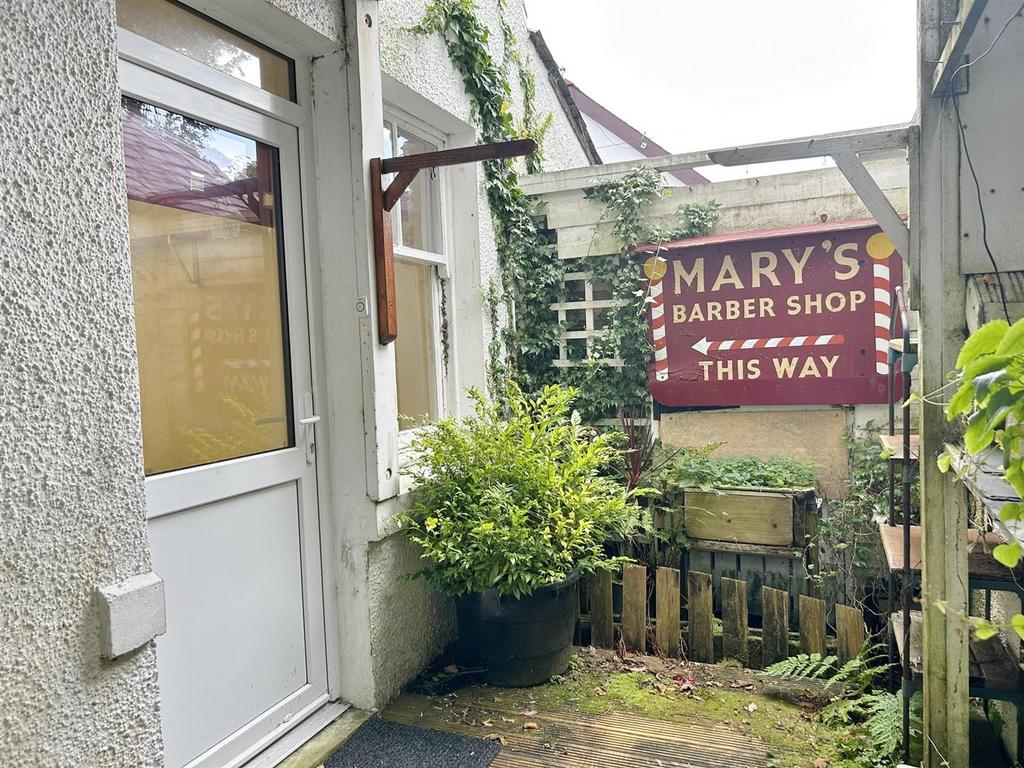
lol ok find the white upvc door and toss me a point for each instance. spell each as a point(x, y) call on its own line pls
point(228, 417)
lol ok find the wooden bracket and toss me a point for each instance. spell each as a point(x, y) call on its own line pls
point(383, 200)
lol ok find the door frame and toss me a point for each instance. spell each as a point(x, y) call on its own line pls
point(141, 59)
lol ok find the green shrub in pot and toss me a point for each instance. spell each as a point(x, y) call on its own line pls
point(511, 505)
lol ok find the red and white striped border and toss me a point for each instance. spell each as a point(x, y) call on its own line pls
point(658, 336)
point(777, 342)
point(882, 285)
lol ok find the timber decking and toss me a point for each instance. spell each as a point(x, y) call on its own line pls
point(568, 739)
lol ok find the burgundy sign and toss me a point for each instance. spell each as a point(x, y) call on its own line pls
point(788, 317)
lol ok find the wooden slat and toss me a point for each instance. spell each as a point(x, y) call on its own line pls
point(824, 145)
point(812, 625)
point(849, 632)
point(736, 516)
point(602, 630)
point(634, 607)
point(774, 625)
point(734, 620)
point(458, 156)
point(700, 617)
point(666, 594)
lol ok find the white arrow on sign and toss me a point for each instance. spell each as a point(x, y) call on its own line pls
point(776, 342)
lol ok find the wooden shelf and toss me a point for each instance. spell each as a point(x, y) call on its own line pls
point(993, 674)
point(893, 444)
point(897, 344)
point(983, 570)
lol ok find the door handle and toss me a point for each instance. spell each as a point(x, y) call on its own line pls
point(309, 422)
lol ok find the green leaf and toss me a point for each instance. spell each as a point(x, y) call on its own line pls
point(1018, 625)
point(1013, 341)
point(978, 436)
point(960, 401)
point(1008, 554)
point(983, 630)
point(1012, 511)
point(943, 462)
point(983, 341)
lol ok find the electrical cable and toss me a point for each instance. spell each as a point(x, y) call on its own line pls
point(970, 162)
point(966, 64)
point(981, 206)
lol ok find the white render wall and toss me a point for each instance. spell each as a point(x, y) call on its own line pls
point(72, 512)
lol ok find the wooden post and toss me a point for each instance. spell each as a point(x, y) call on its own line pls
point(774, 625)
point(812, 625)
point(734, 620)
point(666, 594)
point(700, 617)
point(849, 632)
point(634, 607)
point(602, 630)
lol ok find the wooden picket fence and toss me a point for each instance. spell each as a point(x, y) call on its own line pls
point(699, 643)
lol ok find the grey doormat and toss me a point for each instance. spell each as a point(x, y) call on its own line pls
point(382, 743)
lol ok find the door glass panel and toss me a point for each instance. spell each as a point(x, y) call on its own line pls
point(414, 348)
point(203, 39)
point(207, 274)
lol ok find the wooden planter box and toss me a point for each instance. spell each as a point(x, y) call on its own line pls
point(757, 535)
point(766, 517)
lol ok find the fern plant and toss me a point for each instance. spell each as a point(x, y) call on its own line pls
point(807, 666)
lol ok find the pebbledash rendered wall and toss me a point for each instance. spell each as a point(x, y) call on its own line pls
point(409, 624)
point(72, 511)
point(72, 506)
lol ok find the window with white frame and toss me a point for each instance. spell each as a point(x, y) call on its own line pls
point(584, 317)
point(421, 269)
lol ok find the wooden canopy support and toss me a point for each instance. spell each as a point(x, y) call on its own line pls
point(953, 51)
point(383, 200)
point(843, 148)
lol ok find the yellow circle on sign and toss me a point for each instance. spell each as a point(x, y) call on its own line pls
point(880, 247)
point(655, 268)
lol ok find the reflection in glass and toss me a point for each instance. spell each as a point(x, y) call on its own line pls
point(206, 271)
point(198, 37)
point(419, 210)
point(414, 348)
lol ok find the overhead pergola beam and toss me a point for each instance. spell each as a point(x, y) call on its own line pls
point(825, 145)
point(875, 200)
point(843, 148)
point(953, 51)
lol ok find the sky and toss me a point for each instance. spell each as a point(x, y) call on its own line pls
point(704, 74)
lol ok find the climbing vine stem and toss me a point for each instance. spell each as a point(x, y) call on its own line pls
point(532, 276)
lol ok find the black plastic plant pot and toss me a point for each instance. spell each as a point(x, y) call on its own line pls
point(518, 641)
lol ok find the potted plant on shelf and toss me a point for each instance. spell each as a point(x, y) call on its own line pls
point(511, 506)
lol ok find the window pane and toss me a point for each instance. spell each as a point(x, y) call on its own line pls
point(414, 347)
point(198, 37)
point(206, 270)
point(420, 203)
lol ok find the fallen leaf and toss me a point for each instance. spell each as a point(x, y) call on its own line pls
point(741, 684)
point(685, 682)
point(821, 762)
point(451, 669)
point(529, 712)
point(530, 727)
point(487, 723)
point(751, 707)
